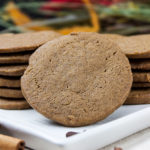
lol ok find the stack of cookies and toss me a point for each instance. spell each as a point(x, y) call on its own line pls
point(137, 49)
point(15, 50)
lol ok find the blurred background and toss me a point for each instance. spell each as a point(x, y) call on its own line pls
point(65, 16)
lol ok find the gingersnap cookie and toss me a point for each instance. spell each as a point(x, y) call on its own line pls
point(16, 70)
point(25, 41)
point(9, 82)
point(141, 76)
point(135, 46)
point(14, 59)
point(72, 80)
point(10, 93)
point(112, 36)
point(140, 64)
point(141, 85)
point(138, 96)
point(13, 104)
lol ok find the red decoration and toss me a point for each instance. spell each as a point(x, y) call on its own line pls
point(102, 2)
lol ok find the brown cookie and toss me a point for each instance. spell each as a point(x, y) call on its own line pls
point(72, 80)
point(6, 34)
point(13, 104)
point(112, 36)
point(141, 85)
point(16, 70)
point(9, 82)
point(140, 64)
point(138, 96)
point(25, 41)
point(14, 59)
point(10, 93)
point(141, 76)
point(135, 46)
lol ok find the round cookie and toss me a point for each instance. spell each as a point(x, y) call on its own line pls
point(141, 77)
point(16, 70)
point(140, 64)
point(13, 104)
point(135, 46)
point(25, 41)
point(9, 82)
point(14, 59)
point(138, 96)
point(10, 93)
point(141, 85)
point(78, 79)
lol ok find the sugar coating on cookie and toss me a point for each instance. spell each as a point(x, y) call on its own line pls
point(25, 41)
point(135, 46)
point(77, 79)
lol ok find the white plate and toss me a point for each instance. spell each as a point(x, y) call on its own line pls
point(42, 134)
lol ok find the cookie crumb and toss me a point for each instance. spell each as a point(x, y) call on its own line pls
point(117, 148)
point(71, 133)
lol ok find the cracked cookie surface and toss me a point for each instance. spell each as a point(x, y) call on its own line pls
point(77, 79)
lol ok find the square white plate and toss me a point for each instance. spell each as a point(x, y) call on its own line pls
point(43, 134)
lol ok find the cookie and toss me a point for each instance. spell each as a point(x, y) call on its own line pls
point(135, 46)
point(72, 80)
point(140, 64)
point(13, 104)
point(6, 34)
point(14, 59)
point(141, 76)
point(138, 96)
point(10, 93)
point(16, 70)
point(9, 82)
point(112, 36)
point(25, 41)
point(141, 85)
